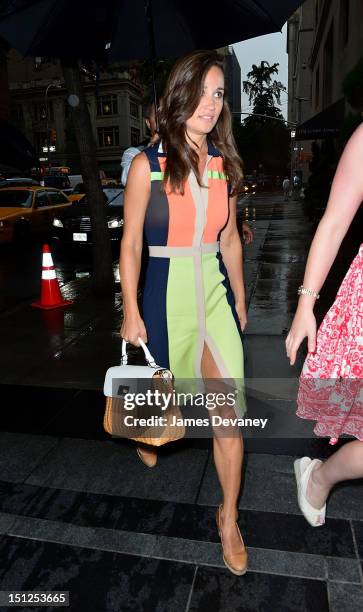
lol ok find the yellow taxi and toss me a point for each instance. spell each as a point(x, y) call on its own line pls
point(29, 210)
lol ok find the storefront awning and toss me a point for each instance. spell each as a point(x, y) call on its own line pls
point(324, 124)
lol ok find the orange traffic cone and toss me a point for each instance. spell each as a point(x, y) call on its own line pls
point(50, 295)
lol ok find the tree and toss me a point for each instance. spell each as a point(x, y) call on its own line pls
point(103, 280)
point(263, 92)
point(263, 141)
point(144, 70)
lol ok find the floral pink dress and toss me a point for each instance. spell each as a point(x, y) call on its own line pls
point(331, 381)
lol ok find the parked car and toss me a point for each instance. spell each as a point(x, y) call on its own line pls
point(59, 181)
point(114, 195)
point(25, 211)
point(74, 226)
point(75, 179)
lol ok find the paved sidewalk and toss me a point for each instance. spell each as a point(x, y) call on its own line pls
point(78, 510)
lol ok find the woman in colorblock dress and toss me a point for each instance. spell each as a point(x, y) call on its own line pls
point(331, 382)
point(182, 193)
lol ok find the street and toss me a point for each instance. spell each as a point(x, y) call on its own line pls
point(80, 513)
point(20, 265)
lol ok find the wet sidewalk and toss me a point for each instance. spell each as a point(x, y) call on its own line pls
point(80, 513)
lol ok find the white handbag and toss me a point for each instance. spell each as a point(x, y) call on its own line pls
point(132, 373)
point(131, 379)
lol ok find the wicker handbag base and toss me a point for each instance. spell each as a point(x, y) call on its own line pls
point(113, 423)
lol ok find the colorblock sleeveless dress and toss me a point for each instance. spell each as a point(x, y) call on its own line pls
point(331, 381)
point(187, 299)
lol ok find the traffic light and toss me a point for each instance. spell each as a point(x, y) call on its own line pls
point(53, 137)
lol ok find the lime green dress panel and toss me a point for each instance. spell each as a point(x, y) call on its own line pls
point(182, 323)
point(221, 328)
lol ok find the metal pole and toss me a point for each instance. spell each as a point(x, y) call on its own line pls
point(57, 86)
point(47, 127)
point(292, 164)
point(149, 17)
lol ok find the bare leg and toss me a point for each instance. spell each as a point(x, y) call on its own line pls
point(345, 464)
point(228, 457)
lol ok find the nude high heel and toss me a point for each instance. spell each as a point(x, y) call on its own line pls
point(236, 563)
point(150, 459)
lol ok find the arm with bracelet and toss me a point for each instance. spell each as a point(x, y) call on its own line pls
point(345, 198)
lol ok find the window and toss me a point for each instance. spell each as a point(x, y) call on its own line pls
point(57, 198)
point(344, 21)
point(15, 199)
point(53, 137)
point(317, 87)
point(41, 200)
point(39, 112)
point(328, 67)
point(134, 108)
point(107, 105)
point(108, 136)
point(135, 137)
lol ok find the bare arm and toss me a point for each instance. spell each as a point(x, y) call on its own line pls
point(345, 198)
point(136, 199)
point(231, 249)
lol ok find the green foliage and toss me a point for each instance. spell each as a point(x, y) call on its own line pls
point(263, 138)
point(263, 91)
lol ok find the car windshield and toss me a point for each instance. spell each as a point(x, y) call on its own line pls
point(79, 188)
point(115, 196)
point(15, 199)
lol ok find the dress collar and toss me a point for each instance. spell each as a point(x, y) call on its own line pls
point(212, 150)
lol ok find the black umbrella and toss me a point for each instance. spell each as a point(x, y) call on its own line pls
point(135, 29)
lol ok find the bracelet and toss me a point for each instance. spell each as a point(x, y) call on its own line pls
point(303, 291)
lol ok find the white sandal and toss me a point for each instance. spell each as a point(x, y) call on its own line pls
point(303, 468)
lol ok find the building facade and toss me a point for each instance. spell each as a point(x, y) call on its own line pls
point(233, 80)
point(40, 109)
point(324, 43)
point(4, 85)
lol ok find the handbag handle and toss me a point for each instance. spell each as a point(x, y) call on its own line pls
point(148, 356)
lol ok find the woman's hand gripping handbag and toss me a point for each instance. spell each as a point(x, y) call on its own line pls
point(140, 403)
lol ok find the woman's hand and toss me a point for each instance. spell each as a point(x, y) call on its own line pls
point(247, 233)
point(133, 327)
point(303, 325)
point(241, 313)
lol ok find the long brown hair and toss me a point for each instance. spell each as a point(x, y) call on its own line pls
point(180, 100)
